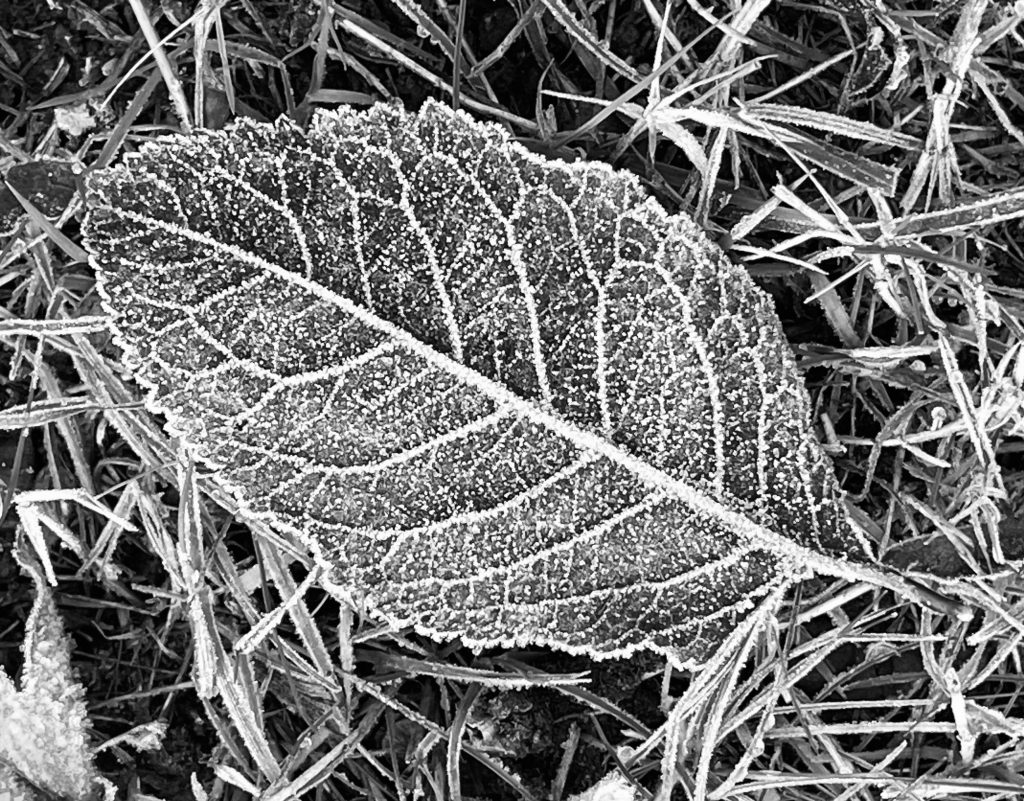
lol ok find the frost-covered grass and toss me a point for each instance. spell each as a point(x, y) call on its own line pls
point(897, 272)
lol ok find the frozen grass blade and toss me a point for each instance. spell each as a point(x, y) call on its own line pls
point(167, 70)
point(586, 39)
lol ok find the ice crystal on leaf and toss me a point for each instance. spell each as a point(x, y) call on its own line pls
point(43, 725)
point(507, 398)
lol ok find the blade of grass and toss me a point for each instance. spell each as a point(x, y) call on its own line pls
point(167, 70)
point(589, 42)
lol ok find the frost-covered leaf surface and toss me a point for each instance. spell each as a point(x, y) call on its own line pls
point(509, 399)
point(43, 722)
point(12, 788)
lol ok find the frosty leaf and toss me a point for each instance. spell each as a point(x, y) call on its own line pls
point(613, 787)
point(48, 184)
point(43, 724)
point(509, 399)
point(13, 788)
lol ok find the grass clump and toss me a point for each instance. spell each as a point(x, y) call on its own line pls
point(861, 161)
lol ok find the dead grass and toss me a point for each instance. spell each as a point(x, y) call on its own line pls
point(864, 163)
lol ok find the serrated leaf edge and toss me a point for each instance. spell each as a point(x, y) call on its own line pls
point(801, 562)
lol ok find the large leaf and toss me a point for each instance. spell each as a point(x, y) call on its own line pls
point(508, 399)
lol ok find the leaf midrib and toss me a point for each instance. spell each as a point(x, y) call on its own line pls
point(801, 558)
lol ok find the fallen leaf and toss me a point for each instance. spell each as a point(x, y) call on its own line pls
point(43, 738)
point(506, 398)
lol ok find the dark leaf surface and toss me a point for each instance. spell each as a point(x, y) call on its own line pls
point(508, 399)
point(48, 184)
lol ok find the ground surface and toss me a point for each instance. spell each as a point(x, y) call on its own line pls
point(896, 270)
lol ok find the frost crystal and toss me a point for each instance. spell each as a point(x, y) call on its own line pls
point(43, 725)
point(510, 399)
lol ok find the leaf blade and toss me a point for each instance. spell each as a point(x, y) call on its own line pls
point(488, 376)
